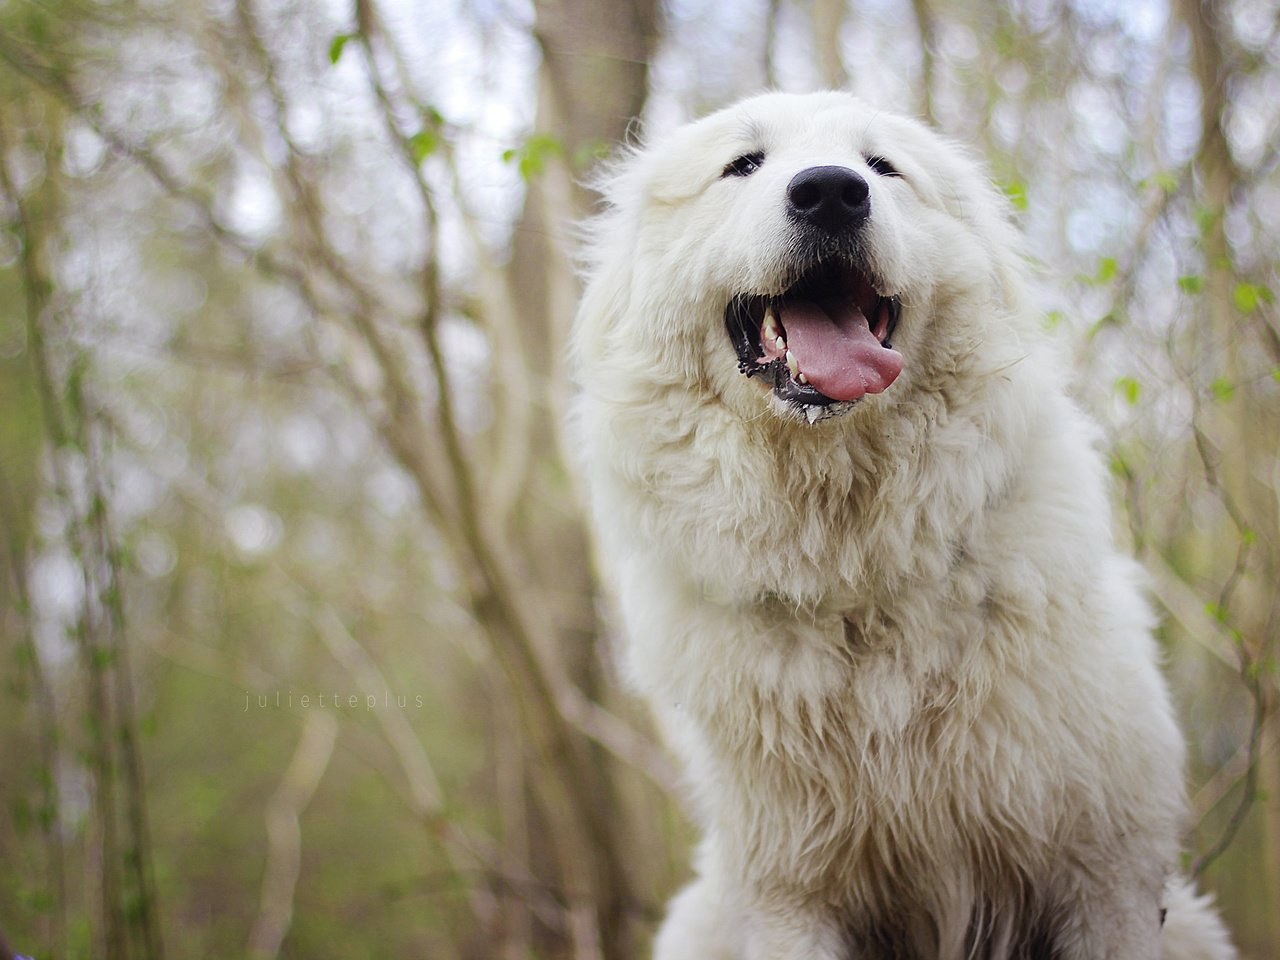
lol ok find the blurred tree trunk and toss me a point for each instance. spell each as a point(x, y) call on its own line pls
point(927, 25)
point(21, 487)
point(827, 19)
point(592, 87)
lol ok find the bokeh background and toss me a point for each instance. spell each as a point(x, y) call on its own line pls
point(303, 655)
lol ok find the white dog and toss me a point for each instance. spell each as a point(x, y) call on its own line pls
point(862, 543)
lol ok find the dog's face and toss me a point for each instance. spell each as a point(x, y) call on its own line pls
point(798, 249)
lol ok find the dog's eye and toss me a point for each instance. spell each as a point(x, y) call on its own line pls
point(744, 166)
point(883, 167)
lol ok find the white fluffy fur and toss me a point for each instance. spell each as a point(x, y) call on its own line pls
point(910, 675)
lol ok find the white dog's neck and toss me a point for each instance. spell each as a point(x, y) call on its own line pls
point(903, 483)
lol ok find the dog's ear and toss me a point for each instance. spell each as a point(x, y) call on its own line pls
point(972, 197)
point(960, 184)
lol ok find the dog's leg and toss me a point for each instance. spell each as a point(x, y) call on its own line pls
point(1112, 921)
point(1192, 928)
point(702, 925)
point(792, 932)
point(695, 927)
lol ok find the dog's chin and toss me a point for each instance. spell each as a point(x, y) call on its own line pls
point(822, 343)
point(811, 413)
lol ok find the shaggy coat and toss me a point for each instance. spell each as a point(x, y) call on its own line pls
point(911, 677)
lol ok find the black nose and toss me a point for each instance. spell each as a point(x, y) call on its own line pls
point(833, 198)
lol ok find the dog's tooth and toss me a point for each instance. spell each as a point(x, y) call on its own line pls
point(802, 378)
point(771, 321)
point(780, 343)
point(793, 364)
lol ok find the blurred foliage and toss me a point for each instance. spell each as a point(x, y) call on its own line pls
point(282, 294)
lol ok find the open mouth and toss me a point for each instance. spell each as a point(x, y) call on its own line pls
point(823, 341)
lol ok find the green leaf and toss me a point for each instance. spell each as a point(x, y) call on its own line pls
point(1222, 388)
point(1108, 267)
point(1016, 191)
point(424, 143)
point(1053, 319)
point(1206, 217)
point(1192, 283)
point(1116, 464)
point(1247, 296)
point(1275, 374)
point(1166, 180)
point(532, 155)
point(338, 44)
point(1130, 387)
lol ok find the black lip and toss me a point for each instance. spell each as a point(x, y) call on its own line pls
point(802, 393)
point(744, 333)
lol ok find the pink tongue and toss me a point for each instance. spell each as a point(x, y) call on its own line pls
point(837, 351)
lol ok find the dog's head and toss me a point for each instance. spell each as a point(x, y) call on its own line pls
point(806, 252)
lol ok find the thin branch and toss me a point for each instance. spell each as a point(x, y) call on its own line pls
point(619, 738)
point(1248, 664)
point(1231, 773)
point(773, 9)
point(424, 787)
point(284, 837)
point(927, 25)
point(139, 860)
point(827, 19)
